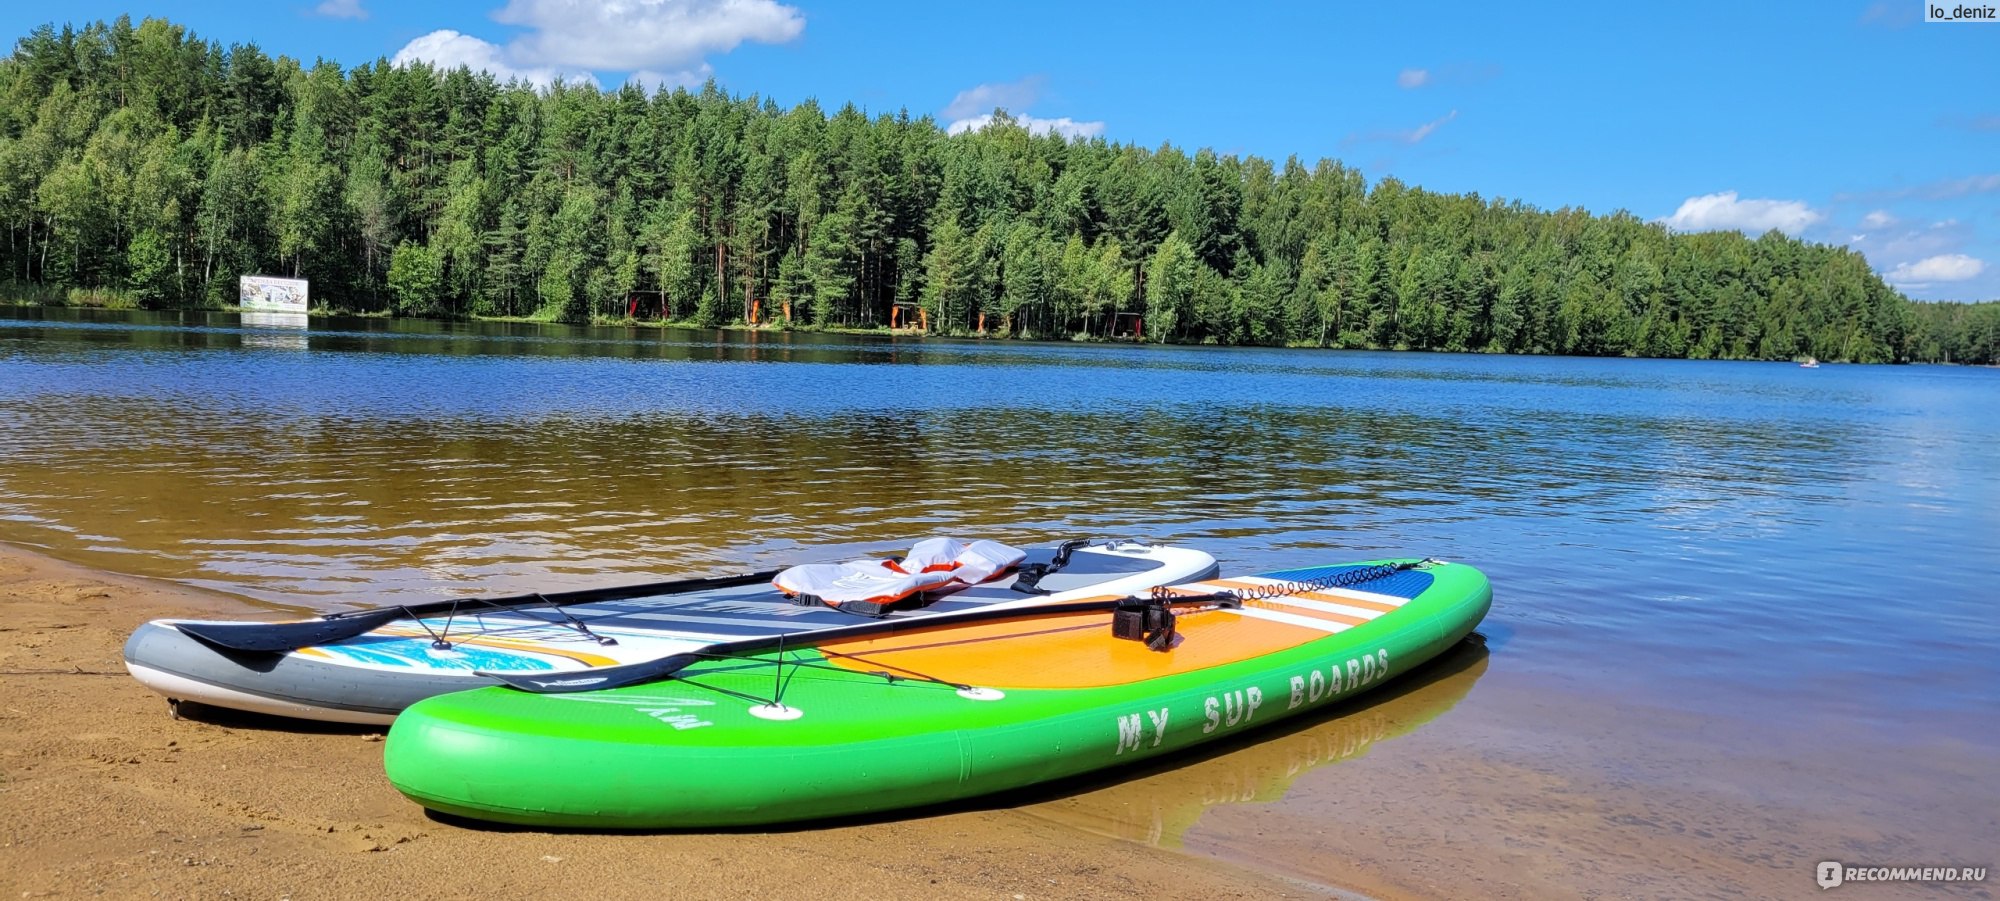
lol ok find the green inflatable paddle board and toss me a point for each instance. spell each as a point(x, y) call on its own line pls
point(903, 713)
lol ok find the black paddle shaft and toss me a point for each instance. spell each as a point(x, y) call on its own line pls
point(278, 638)
point(665, 667)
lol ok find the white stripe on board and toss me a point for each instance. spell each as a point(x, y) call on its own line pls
point(1389, 599)
point(761, 627)
point(1294, 619)
point(1292, 600)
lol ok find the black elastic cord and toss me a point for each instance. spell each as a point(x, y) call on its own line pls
point(448, 617)
point(768, 702)
point(577, 624)
point(913, 676)
point(778, 674)
point(437, 641)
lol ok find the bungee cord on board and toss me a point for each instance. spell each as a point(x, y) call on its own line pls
point(1347, 578)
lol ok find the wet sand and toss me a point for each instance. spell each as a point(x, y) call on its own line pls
point(103, 794)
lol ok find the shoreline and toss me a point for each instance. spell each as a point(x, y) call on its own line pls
point(106, 793)
point(996, 335)
point(1474, 776)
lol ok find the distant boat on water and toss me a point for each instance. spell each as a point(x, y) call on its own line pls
point(1809, 363)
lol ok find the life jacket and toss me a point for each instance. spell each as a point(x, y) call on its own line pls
point(876, 587)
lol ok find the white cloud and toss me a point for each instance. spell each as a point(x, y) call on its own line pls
point(1961, 187)
point(1950, 267)
point(1914, 241)
point(1878, 219)
point(1725, 211)
point(1947, 189)
point(1424, 131)
point(1453, 74)
point(341, 9)
point(972, 110)
point(1889, 14)
point(983, 99)
point(689, 78)
point(656, 35)
point(447, 49)
point(1403, 136)
point(1065, 126)
point(661, 42)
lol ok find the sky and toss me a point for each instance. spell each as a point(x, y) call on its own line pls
point(1854, 123)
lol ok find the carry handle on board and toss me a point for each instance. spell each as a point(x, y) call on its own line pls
point(278, 638)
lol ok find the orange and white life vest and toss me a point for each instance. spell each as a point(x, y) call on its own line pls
point(876, 586)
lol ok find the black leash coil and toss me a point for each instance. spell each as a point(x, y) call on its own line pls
point(1346, 578)
point(1031, 575)
point(1152, 619)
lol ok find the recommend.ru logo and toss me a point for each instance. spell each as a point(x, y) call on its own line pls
point(1831, 874)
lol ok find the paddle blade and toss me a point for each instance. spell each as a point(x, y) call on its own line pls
point(597, 679)
point(273, 638)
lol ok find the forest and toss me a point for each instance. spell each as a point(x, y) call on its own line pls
point(1955, 333)
point(142, 166)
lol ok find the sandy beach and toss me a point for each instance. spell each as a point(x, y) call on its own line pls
point(105, 794)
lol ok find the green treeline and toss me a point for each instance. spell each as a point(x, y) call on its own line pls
point(1946, 332)
point(160, 167)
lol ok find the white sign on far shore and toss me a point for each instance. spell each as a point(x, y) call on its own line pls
point(265, 292)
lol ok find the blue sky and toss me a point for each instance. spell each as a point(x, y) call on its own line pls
point(1849, 122)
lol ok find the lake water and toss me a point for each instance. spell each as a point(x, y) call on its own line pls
point(1744, 612)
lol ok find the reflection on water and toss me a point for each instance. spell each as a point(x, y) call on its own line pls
point(266, 328)
point(1159, 805)
point(1772, 549)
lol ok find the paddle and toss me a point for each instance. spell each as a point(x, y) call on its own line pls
point(274, 638)
point(278, 638)
point(665, 667)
